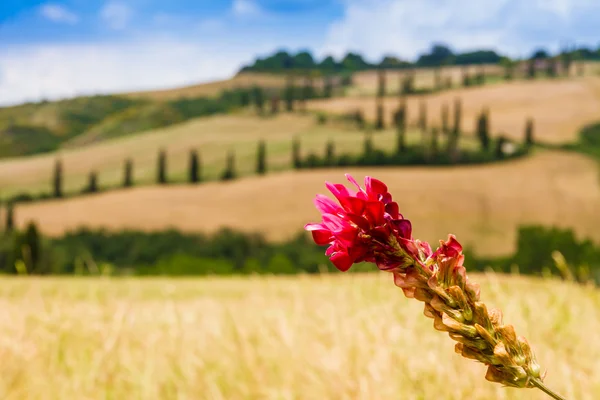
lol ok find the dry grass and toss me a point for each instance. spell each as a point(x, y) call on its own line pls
point(332, 337)
point(560, 108)
point(482, 205)
point(213, 136)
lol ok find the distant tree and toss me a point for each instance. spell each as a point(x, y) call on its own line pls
point(380, 123)
point(289, 94)
point(128, 173)
point(437, 78)
point(307, 92)
point(327, 87)
point(480, 77)
point(194, 167)
point(423, 115)
point(453, 139)
point(434, 140)
point(483, 130)
point(31, 244)
point(244, 97)
point(330, 153)
point(92, 183)
point(58, 179)
point(274, 104)
point(296, 156)
point(445, 119)
point(466, 79)
point(408, 83)
point(161, 177)
point(229, 172)
point(368, 144)
point(259, 99)
point(551, 68)
point(438, 55)
point(530, 69)
point(566, 62)
point(381, 83)
point(400, 121)
point(509, 68)
point(499, 149)
point(359, 119)
point(529, 140)
point(261, 158)
point(10, 217)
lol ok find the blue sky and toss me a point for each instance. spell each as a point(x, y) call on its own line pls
point(65, 48)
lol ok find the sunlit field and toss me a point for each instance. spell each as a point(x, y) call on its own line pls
point(482, 205)
point(324, 337)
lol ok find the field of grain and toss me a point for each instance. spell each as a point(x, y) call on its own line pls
point(559, 108)
point(214, 137)
point(329, 337)
point(482, 205)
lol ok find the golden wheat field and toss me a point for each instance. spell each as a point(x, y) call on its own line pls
point(559, 108)
point(482, 205)
point(324, 337)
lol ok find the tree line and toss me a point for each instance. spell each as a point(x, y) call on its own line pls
point(94, 252)
point(439, 55)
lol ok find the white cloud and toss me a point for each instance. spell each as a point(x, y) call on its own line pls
point(246, 8)
point(408, 27)
point(58, 13)
point(116, 14)
point(58, 71)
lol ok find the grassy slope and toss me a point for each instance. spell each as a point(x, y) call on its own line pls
point(482, 205)
point(214, 137)
point(560, 108)
point(331, 337)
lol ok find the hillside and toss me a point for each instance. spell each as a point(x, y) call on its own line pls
point(326, 337)
point(482, 205)
point(559, 108)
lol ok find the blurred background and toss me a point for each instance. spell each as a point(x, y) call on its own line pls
point(142, 140)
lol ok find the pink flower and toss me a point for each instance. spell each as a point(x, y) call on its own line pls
point(366, 225)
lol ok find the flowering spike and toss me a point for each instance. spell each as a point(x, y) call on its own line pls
point(367, 226)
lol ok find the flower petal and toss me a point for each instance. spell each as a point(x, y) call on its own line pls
point(353, 205)
point(322, 237)
point(341, 260)
point(325, 205)
point(374, 212)
point(375, 186)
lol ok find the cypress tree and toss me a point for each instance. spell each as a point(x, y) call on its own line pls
point(379, 123)
point(161, 177)
point(381, 83)
point(289, 94)
point(529, 140)
point(360, 119)
point(453, 139)
point(128, 173)
point(10, 217)
point(194, 166)
point(437, 78)
point(274, 104)
point(423, 115)
point(408, 83)
point(330, 153)
point(327, 87)
point(296, 156)
point(434, 140)
point(368, 144)
point(261, 158)
point(509, 70)
point(483, 130)
point(499, 149)
point(531, 69)
point(229, 172)
point(465, 77)
point(244, 97)
point(550, 68)
point(481, 75)
point(31, 239)
point(400, 120)
point(92, 183)
point(259, 99)
point(566, 62)
point(445, 122)
point(58, 179)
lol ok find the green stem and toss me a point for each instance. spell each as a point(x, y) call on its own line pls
point(540, 385)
